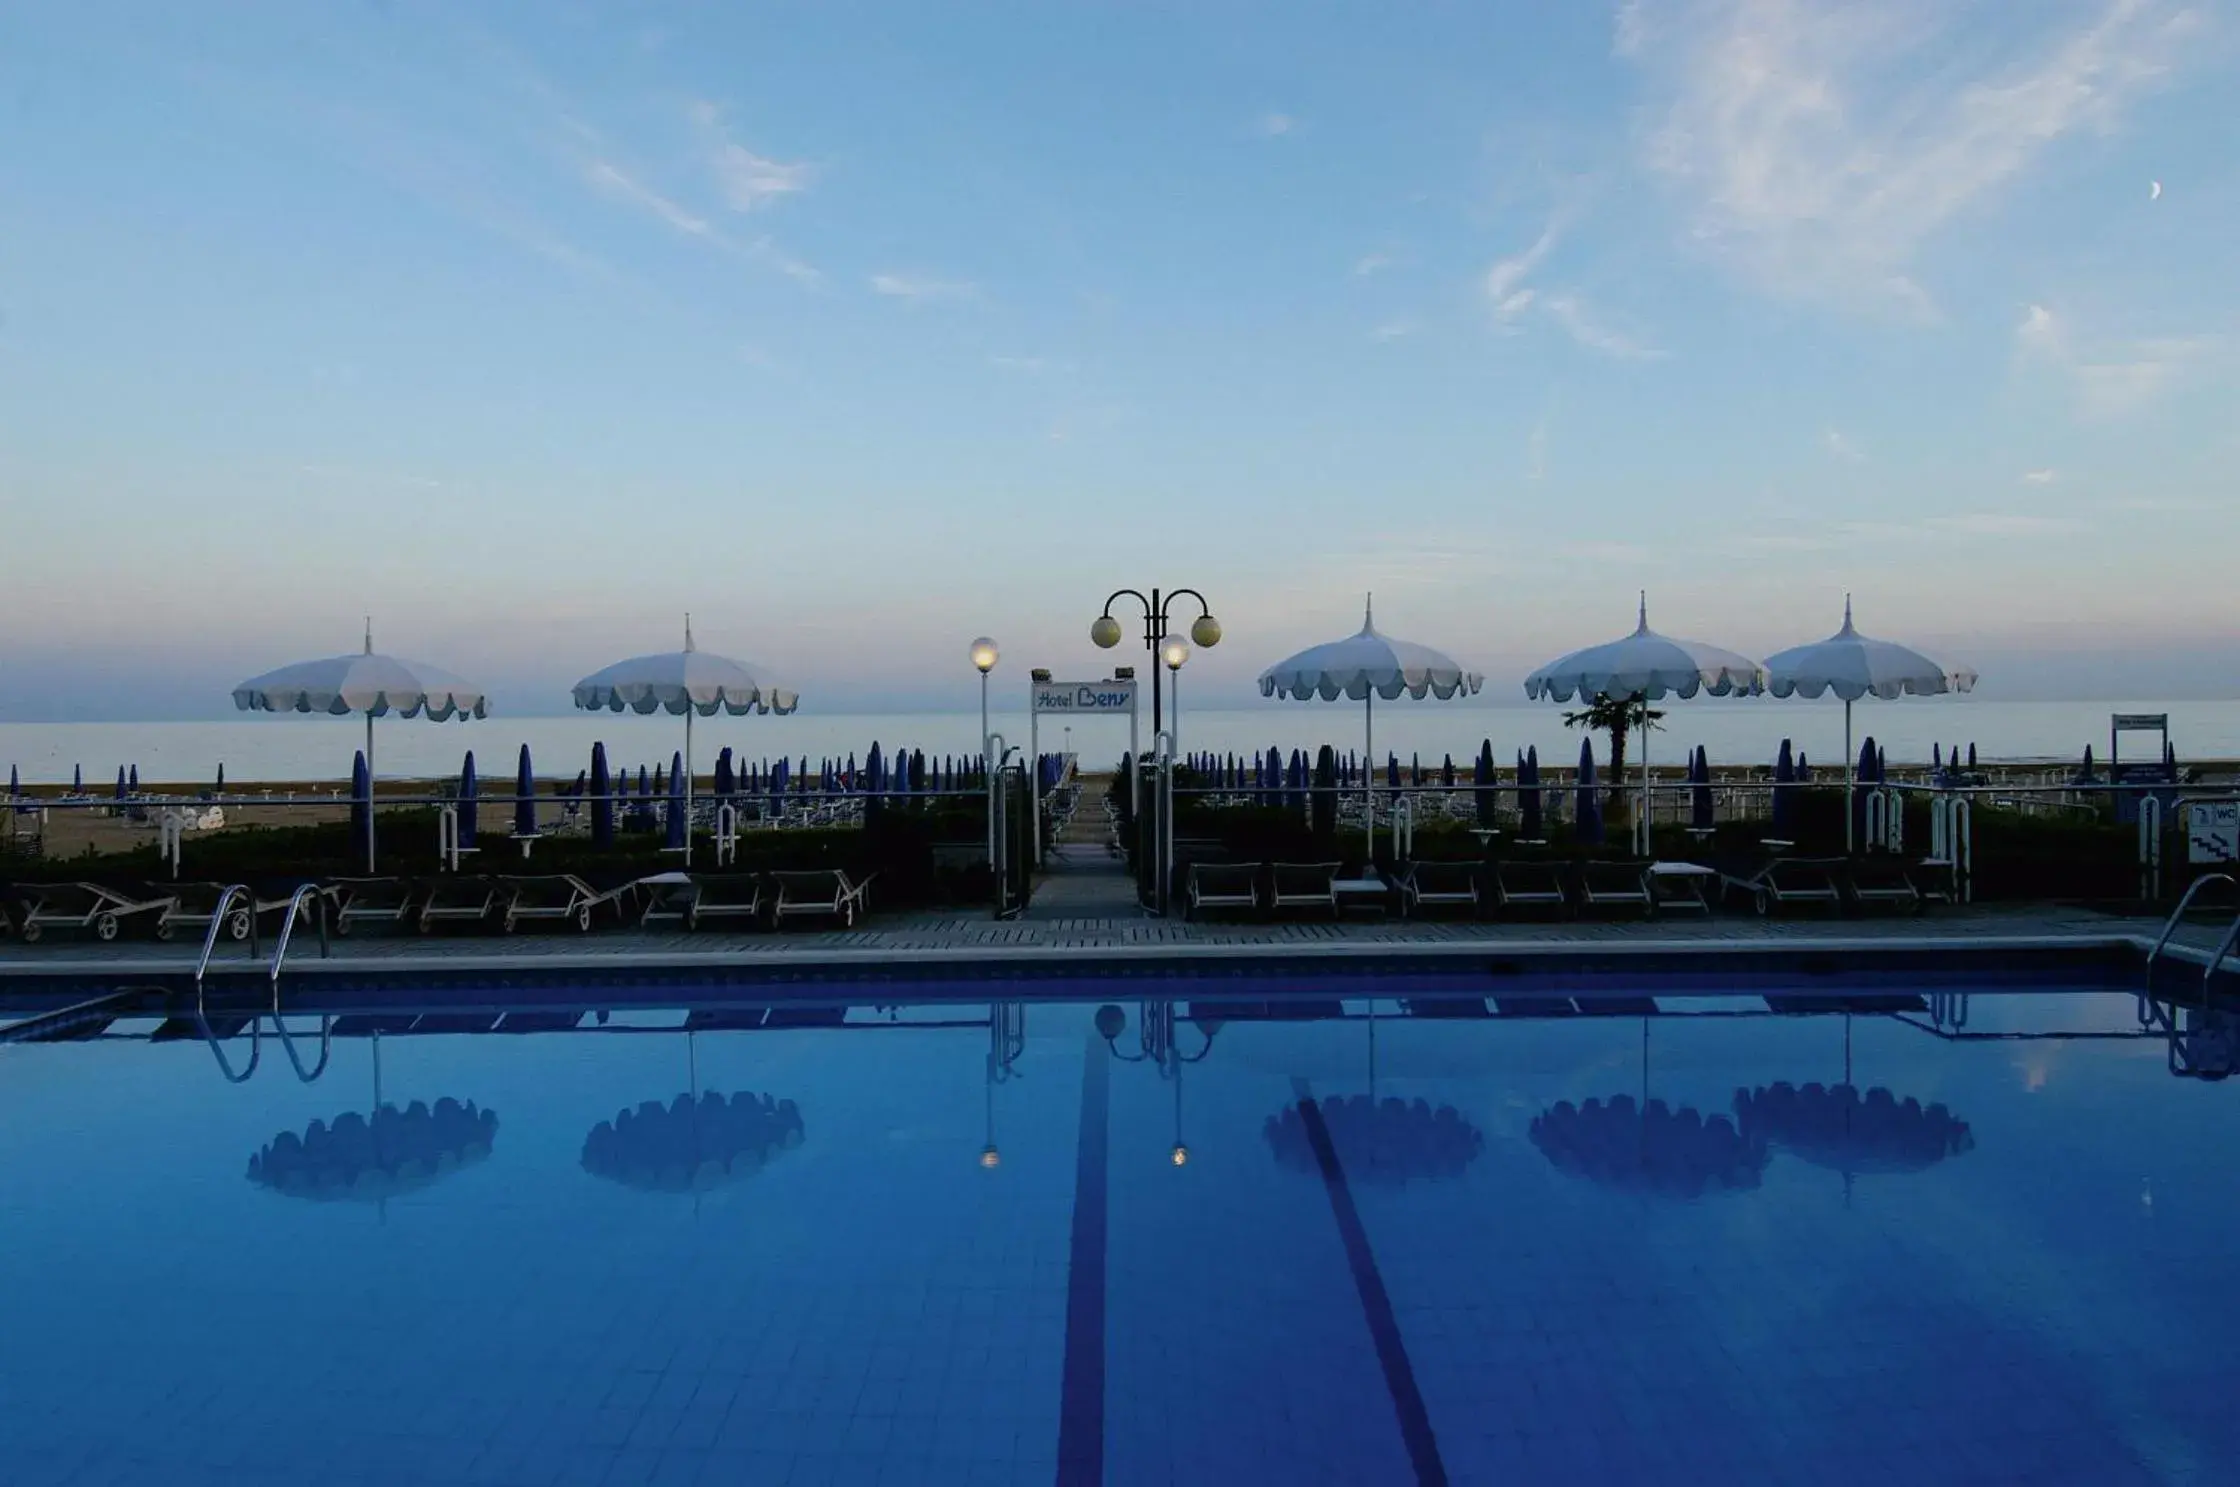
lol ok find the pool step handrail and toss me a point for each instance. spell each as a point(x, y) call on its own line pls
point(210, 936)
point(2217, 957)
point(2185, 902)
point(318, 899)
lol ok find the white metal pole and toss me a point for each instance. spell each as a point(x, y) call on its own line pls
point(988, 773)
point(1034, 752)
point(369, 791)
point(1369, 769)
point(688, 778)
point(1850, 776)
point(1642, 836)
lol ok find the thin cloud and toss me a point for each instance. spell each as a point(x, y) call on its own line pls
point(2107, 380)
point(1371, 263)
point(2038, 477)
point(611, 180)
point(1842, 448)
point(1025, 366)
point(1505, 281)
point(1570, 313)
point(749, 182)
point(918, 289)
point(1274, 126)
point(2005, 524)
point(1819, 145)
point(1393, 330)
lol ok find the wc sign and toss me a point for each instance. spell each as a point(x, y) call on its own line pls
point(1078, 698)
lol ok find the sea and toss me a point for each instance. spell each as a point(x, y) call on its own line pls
point(297, 749)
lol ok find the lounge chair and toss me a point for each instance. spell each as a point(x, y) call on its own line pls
point(191, 906)
point(713, 896)
point(372, 901)
point(1303, 885)
point(823, 893)
point(1777, 881)
point(1222, 885)
point(1436, 885)
point(88, 906)
point(1680, 885)
point(664, 898)
point(1880, 880)
point(1529, 884)
point(550, 896)
point(460, 897)
point(1605, 885)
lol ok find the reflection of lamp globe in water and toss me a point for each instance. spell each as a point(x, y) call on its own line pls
point(1379, 1142)
point(395, 1152)
point(691, 1145)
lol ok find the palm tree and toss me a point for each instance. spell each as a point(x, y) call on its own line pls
point(1617, 717)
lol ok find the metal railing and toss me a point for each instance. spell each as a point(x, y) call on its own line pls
point(2185, 902)
point(210, 936)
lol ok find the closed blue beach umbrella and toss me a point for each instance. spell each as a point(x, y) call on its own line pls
point(524, 798)
point(361, 801)
point(725, 784)
point(1392, 771)
point(1804, 769)
point(1587, 805)
point(2169, 750)
point(1784, 776)
point(1487, 799)
point(677, 815)
point(469, 792)
point(1446, 772)
point(660, 781)
point(2087, 775)
point(15, 786)
point(602, 799)
point(221, 777)
point(1700, 803)
point(1530, 825)
point(134, 779)
point(643, 788)
point(77, 779)
point(122, 792)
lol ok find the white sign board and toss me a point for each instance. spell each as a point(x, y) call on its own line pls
point(2213, 831)
point(1085, 698)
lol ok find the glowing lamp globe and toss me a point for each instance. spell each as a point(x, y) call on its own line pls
point(984, 654)
point(1174, 652)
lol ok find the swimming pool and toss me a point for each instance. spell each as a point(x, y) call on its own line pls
point(1275, 1231)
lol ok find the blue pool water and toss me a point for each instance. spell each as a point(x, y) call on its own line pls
point(1407, 1240)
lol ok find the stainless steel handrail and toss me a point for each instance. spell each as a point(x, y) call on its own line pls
point(288, 930)
point(210, 936)
point(2185, 902)
point(2216, 959)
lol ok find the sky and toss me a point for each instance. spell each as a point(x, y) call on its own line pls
point(860, 330)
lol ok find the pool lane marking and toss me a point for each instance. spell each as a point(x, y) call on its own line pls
point(1081, 1394)
point(1376, 1302)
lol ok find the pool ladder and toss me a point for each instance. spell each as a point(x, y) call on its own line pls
point(2170, 927)
point(295, 911)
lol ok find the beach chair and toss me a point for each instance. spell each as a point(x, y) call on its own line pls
point(460, 898)
point(84, 906)
point(1880, 880)
point(715, 896)
point(821, 893)
point(191, 906)
point(1303, 885)
point(372, 901)
point(1529, 885)
point(1681, 885)
point(662, 898)
point(1774, 882)
point(1221, 885)
point(1625, 885)
point(549, 897)
point(1438, 885)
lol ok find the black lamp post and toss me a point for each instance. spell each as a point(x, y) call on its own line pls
point(1205, 631)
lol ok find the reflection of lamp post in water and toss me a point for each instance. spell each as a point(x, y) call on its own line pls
point(1007, 1039)
point(1156, 1046)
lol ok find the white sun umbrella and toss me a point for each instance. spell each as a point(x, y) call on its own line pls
point(1364, 667)
point(1647, 666)
point(687, 681)
point(1853, 666)
point(364, 683)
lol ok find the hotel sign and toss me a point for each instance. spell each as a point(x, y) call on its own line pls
point(1076, 698)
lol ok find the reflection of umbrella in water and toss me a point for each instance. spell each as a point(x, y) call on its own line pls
point(1837, 1128)
point(1384, 1143)
point(395, 1152)
point(1651, 1148)
point(695, 1142)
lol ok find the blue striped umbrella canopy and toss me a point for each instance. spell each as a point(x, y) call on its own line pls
point(602, 799)
point(469, 792)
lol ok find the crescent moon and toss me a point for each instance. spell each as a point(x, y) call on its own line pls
point(2154, 190)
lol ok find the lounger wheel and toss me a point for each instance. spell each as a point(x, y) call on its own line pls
point(427, 925)
point(583, 920)
point(31, 933)
point(506, 925)
point(692, 917)
point(341, 927)
point(164, 933)
point(237, 924)
point(105, 926)
point(1761, 903)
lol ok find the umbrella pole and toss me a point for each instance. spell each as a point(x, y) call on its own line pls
point(688, 781)
point(1369, 773)
point(1642, 825)
point(1850, 777)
